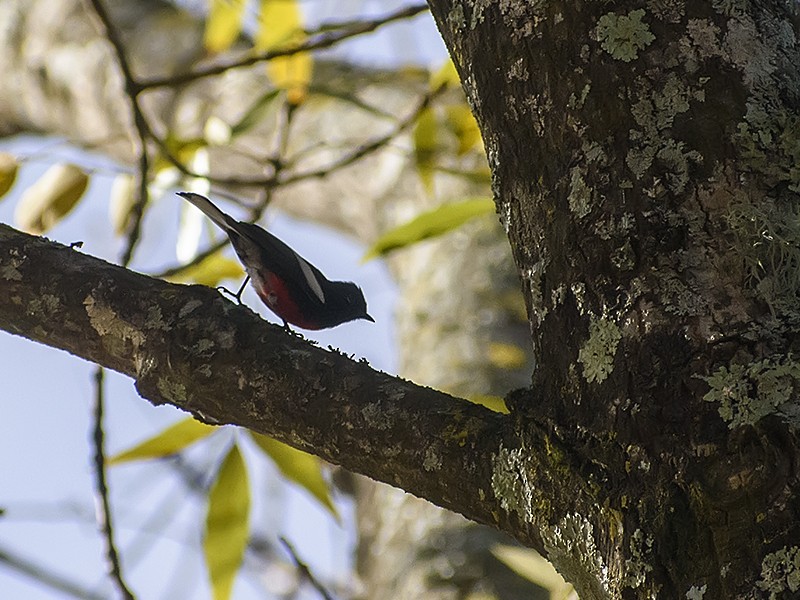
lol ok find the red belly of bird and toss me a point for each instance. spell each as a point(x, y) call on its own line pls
point(274, 292)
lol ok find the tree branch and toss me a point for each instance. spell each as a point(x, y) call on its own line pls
point(189, 347)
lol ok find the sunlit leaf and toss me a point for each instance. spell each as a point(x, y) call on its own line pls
point(51, 197)
point(300, 467)
point(426, 143)
point(181, 149)
point(223, 25)
point(257, 112)
point(532, 566)
point(495, 403)
point(463, 124)
point(227, 524)
point(170, 441)
point(430, 224)
point(280, 25)
point(506, 356)
point(8, 172)
point(445, 75)
point(121, 201)
point(210, 271)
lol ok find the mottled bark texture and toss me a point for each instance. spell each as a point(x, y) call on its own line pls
point(644, 158)
point(457, 297)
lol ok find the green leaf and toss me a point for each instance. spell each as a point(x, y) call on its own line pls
point(301, 467)
point(210, 271)
point(463, 124)
point(8, 172)
point(446, 75)
point(227, 527)
point(430, 224)
point(223, 25)
point(426, 143)
point(170, 441)
point(121, 202)
point(506, 356)
point(51, 197)
point(256, 113)
point(280, 25)
point(532, 566)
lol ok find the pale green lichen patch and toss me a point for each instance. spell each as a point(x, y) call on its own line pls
point(623, 36)
point(597, 354)
point(107, 324)
point(155, 320)
point(654, 115)
point(780, 573)
point(174, 391)
point(189, 307)
point(432, 460)
point(10, 272)
point(571, 547)
point(580, 194)
point(748, 393)
point(512, 484)
point(769, 143)
point(638, 565)
point(696, 593)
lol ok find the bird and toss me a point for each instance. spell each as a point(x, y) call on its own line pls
point(291, 287)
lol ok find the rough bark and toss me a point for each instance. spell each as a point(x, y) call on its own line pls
point(187, 346)
point(644, 158)
point(381, 190)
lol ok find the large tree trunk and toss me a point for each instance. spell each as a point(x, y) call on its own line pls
point(644, 158)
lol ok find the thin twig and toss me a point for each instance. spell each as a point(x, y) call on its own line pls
point(46, 577)
point(101, 486)
point(370, 146)
point(305, 572)
point(143, 130)
point(323, 40)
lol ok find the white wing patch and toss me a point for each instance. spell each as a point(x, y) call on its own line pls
point(311, 278)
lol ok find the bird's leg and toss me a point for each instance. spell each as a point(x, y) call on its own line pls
point(237, 295)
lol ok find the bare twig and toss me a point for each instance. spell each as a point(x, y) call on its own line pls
point(101, 486)
point(318, 42)
point(305, 572)
point(370, 146)
point(46, 577)
point(143, 130)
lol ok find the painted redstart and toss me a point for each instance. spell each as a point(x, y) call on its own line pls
point(288, 284)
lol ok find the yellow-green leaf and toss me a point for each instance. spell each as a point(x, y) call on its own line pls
point(426, 143)
point(51, 197)
point(227, 526)
point(430, 224)
point(210, 271)
point(257, 112)
point(121, 202)
point(463, 124)
point(445, 75)
point(506, 356)
point(280, 25)
point(170, 441)
point(8, 172)
point(495, 403)
point(223, 25)
point(532, 566)
point(183, 150)
point(301, 467)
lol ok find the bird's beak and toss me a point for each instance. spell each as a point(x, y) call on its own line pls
point(367, 317)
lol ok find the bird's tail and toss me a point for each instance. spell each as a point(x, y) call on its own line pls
point(210, 210)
